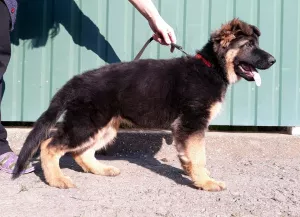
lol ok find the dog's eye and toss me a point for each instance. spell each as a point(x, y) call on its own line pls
point(249, 44)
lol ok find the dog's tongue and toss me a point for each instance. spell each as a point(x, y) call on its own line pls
point(257, 78)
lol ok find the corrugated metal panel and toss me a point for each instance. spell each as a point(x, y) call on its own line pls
point(56, 39)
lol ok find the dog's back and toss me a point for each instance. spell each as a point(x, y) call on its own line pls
point(149, 93)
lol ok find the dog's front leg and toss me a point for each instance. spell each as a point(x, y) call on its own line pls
point(191, 153)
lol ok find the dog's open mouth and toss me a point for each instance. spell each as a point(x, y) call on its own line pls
point(250, 72)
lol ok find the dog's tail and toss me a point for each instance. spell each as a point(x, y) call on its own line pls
point(42, 127)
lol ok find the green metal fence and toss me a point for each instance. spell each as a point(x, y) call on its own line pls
point(56, 39)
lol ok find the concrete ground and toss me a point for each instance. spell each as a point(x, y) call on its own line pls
point(261, 171)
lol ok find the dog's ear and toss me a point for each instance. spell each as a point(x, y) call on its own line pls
point(240, 27)
point(256, 30)
point(232, 30)
point(227, 32)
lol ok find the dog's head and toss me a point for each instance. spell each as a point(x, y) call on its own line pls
point(237, 47)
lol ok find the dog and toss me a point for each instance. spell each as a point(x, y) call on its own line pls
point(183, 94)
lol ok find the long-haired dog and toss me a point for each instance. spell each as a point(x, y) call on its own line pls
point(183, 93)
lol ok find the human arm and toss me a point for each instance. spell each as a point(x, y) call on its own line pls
point(163, 33)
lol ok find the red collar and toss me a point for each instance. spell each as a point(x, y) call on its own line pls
point(200, 57)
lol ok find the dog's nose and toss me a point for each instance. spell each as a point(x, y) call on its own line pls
point(271, 60)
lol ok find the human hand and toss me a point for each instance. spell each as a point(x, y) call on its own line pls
point(163, 33)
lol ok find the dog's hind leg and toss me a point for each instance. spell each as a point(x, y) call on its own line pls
point(86, 159)
point(89, 163)
point(50, 155)
point(192, 155)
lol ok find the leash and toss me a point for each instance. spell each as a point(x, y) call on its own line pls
point(173, 45)
point(138, 56)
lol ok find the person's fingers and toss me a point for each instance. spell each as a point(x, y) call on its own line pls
point(163, 33)
point(172, 38)
point(155, 37)
point(172, 35)
point(166, 37)
point(159, 39)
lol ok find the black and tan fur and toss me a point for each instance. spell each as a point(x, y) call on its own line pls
point(181, 93)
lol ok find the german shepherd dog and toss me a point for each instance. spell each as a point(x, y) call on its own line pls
point(183, 94)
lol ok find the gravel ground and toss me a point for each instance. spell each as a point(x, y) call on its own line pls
point(261, 171)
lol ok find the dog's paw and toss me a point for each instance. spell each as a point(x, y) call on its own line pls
point(111, 171)
point(63, 182)
point(207, 171)
point(211, 185)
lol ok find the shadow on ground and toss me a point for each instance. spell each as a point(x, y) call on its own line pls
point(136, 148)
